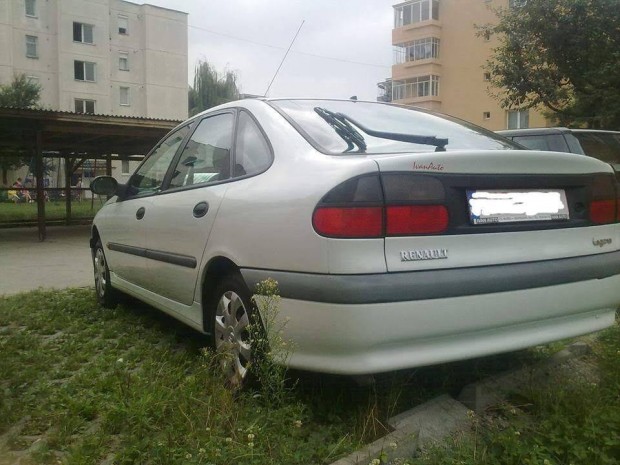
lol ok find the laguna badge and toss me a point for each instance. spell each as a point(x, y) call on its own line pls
point(423, 254)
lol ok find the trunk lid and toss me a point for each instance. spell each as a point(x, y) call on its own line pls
point(525, 178)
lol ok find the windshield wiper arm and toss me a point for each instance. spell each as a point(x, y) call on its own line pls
point(440, 144)
point(343, 129)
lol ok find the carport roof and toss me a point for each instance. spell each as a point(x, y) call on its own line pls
point(83, 134)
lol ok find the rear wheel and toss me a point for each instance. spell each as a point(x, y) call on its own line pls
point(231, 314)
point(107, 296)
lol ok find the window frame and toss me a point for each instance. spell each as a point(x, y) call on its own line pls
point(34, 44)
point(520, 114)
point(84, 63)
point(419, 12)
point(33, 3)
point(82, 34)
point(124, 18)
point(123, 56)
point(120, 94)
point(84, 101)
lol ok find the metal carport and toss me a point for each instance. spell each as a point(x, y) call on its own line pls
point(75, 138)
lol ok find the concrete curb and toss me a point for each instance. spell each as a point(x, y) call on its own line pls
point(435, 420)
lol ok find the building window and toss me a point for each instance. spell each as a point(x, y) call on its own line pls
point(123, 61)
point(84, 106)
point(31, 8)
point(487, 76)
point(125, 167)
point(421, 49)
point(518, 119)
point(123, 24)
point(124, 96)
point(486, 115)
point(32, 45)
point(415, 12)
point(421, 86)
point(33, 80)
point(517, 3)
point(84, 71)
point(83, 33)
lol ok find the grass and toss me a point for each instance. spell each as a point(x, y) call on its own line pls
point(82, 385)
point(10, 211)
point(574, 419)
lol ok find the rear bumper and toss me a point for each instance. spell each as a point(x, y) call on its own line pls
point(435, 284)
point(371, 337)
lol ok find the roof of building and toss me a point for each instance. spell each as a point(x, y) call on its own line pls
point(67, 132)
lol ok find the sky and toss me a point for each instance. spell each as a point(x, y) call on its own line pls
point(343, 48)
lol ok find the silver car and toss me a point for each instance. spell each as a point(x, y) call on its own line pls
point(398, 237)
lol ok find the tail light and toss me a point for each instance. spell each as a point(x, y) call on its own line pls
point(374, 206)
point(603, 204)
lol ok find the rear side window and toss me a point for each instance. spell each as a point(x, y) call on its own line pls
point(546, 142)
point(252, 152)
point(206, 156)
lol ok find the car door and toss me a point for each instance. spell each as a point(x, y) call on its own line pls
point(180, 218)
point(125, 229)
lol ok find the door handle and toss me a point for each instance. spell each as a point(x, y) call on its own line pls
point(200, 209)
point(140, 213)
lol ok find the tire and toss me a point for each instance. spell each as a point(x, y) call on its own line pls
point(107, 296)
point(230, 312)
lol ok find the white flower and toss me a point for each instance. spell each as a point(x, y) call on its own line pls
point(120, 360)
point(250, 437)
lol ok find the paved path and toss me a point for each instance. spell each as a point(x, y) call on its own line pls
point(62, 260)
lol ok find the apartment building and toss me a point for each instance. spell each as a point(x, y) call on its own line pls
point(109, 57)
point(439, 61)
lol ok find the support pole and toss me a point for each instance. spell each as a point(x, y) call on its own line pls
point(40, 192)
point(68, 196)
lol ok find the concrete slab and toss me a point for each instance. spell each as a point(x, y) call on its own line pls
point(62, 260)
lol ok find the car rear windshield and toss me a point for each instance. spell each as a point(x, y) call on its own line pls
point(602, 145)
point(385, 118)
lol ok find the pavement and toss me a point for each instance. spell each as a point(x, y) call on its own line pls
point(62, 260)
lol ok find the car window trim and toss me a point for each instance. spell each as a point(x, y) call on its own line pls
point(177, 156)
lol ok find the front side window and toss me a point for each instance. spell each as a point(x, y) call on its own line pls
point(150, 176)
point(84, 70)
point(84, 106)
point(32, 43)
point(83, 33)
point(123, 24)
point(31, 8)
point(518, 119)
point(207, 156)
point(124, 96)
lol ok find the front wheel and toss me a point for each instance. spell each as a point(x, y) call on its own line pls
point(231, 312)
point(107, 296)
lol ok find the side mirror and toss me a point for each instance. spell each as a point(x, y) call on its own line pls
point(104, 185)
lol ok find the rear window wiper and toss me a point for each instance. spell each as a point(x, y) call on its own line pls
point(343, 129)
point(344, 121)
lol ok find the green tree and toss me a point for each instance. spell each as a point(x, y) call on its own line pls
point(561, 55)
point(20, 93)
point(210, 88)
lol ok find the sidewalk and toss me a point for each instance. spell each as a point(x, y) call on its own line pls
point(62, 260)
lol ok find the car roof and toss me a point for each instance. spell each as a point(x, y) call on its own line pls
point(533, 131)
point(556, 130)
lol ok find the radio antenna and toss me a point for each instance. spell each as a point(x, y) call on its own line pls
point(285, 55)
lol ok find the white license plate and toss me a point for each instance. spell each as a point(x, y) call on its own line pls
point(516, 205)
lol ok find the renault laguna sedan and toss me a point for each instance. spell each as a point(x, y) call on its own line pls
point(398, 237)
